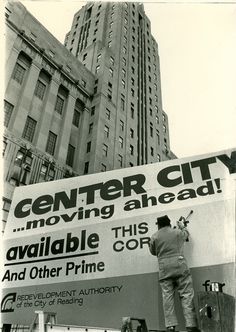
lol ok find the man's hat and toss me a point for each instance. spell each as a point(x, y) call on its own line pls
point(163, 221)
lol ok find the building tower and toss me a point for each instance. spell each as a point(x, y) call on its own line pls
point(127, 124)
point(92, 106)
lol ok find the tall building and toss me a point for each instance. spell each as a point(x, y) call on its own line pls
point(92, 106)
point(114, 41)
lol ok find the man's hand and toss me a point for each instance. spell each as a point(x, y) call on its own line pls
point(180, 224)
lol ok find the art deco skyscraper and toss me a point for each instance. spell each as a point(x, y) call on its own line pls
point(95, 106)
point(127, 123)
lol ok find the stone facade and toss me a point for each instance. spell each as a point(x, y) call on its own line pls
point(92, 105)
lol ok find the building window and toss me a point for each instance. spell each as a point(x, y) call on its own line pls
point(4, 146)
point(59, 105)
point(51, 174)
point(132, 92)
point(98, 57)
point(70, 155)
point(109, 44)
point(151, 129)
point(123, 71)
point(43, 173)
point(158, 157)
point(122, 102)
point(6, 204)
point(120, 160)
point(103, 168)
point(19, 158)
point(163, 117)
point(131, 149)
point(110, 34)
point(111, 72)
point(131, 132)
point(157, 119)
point(125, 31)
point(106, 131)
point(85, 56)
point(132, 70)
point(18, 73)
point(156, 98)
point(90, 128)
point(86, 167)
point(88, 147)
point(122, 125)
point(92, 110)
point(8, 109)
point(108, 114)
point(125, 39)
point(126, 21)
point(150, 101)
point(133, 58)
point(97, 68)
point(51, 143)
point(152, 151)
point(164, 128)
point(88, 13)
point(109, 94)
point(132, 112)
point(29, 129)
point(132, 80)
point(121, 142)
point(158, 137)
point(124, 50)
point(123, 61)
point(131, 164)
point(40, 89)
point(123, 83)
point(112, 61)
point(104, 150)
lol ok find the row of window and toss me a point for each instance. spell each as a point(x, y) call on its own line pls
point(29, 131)
point(30, 126)
point(120, 162)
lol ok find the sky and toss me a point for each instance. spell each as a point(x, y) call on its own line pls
point(197, 49)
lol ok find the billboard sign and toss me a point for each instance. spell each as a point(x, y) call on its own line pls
point(80, 245)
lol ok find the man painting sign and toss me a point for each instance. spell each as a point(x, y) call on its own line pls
point(167, 244)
